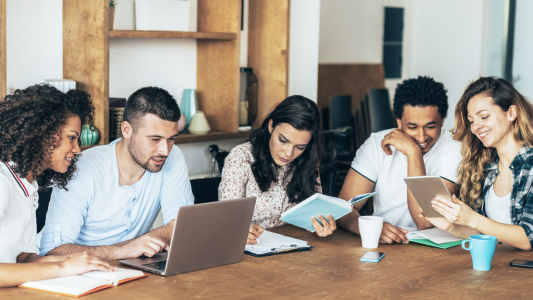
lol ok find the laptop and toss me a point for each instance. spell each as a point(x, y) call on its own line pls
point(205, 235)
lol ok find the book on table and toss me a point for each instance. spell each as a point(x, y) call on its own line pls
point(434, 237)
point(318, 204)
point(81, 285)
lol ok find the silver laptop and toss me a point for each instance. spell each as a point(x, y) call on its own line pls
point(205, 235)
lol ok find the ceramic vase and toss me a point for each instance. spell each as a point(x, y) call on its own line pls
point(189, 105)
point(199, 124)
point(89, 136)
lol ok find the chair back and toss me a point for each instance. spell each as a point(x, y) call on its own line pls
point(340, 111)
point(379, 109)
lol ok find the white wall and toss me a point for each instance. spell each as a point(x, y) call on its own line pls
point(447, 45)
point(34, 42)
point(303, 48)
point(523, 49)
point(442, 39)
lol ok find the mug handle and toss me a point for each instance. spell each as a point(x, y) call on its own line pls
point(469, 244)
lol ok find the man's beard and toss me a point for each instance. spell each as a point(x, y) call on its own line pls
point(137, 155)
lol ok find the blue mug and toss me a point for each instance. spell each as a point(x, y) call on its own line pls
point(482, 249)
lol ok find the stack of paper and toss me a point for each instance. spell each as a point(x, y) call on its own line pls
point(272, 243)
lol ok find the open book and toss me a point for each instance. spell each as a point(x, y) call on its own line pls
point(77, 286)
point(318, 204)
point(434, 237)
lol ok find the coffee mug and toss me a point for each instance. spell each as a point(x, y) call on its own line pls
point(370, 230)
point(482, 249)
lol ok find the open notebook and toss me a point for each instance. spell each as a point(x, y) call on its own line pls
point(434, 237)
point(318, 204)
point(81, 285)
point(274, 243)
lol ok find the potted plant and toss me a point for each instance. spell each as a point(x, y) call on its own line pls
point(112, 4)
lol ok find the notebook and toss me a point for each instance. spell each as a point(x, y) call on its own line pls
point(81, 285)
point(434, 237)
point(274, 243)
point(318, 204)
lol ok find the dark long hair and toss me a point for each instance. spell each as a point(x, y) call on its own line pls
point(302, 114)
point(30, 121)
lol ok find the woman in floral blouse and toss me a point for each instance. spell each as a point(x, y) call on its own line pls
point(279, 166)
point(493, 124)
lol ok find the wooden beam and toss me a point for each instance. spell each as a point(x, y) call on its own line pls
point(218, 62)
point(3, 58)
point(86, 54)
point(173, 34)
point(268, 51)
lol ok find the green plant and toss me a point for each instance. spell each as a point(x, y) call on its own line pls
point(112, 3)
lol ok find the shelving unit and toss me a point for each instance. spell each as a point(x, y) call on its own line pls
point(86, 37)
point(173, 35)
point(86, 59)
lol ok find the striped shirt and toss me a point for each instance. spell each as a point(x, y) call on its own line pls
point(522, 193)
point(18, 203)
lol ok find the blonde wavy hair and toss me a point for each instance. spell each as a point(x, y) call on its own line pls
point(476, 157)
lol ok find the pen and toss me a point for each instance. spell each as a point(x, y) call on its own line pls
point(259, 243)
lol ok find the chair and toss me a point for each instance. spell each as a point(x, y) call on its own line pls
point(379, 109)
point(340, 116)
point(338, 140)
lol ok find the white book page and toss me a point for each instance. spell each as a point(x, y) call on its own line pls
point(435, 235)
point(72, 285)
point(270, 240)
point(115, 276)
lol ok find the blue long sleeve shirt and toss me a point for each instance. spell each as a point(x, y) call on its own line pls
point(97, 211)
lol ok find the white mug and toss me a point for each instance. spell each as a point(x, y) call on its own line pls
point(370, 230)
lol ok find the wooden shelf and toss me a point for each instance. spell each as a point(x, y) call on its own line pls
point(185, 138)
point(173, 34)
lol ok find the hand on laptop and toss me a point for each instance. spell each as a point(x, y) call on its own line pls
point(390, 234)
point(146, 245)
point(254, 233)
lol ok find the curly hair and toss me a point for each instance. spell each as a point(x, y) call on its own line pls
point(471, 172)
point(422, 91)
point(31, 120)
point(302, 114)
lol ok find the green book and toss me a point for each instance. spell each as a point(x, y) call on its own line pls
point(433, 237)
point(430, 243)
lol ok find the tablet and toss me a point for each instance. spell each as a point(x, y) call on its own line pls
point(424, 189)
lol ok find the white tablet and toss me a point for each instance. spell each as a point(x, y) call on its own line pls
point(424, 189)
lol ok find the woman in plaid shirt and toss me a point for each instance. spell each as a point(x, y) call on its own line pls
point(493, 124)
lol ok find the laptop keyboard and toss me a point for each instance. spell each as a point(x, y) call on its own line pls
point(159, 265)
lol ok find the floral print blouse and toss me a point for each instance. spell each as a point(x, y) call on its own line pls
point(238, 181)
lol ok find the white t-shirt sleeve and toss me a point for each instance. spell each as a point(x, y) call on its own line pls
point(367, 158)
point(5, 187)
point(451, 158)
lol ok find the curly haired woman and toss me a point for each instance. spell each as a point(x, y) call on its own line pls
point(39, 131)
point(493, 124)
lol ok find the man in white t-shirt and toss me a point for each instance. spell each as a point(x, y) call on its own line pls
point(417, 147)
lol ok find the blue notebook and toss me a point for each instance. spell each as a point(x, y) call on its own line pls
point(318, 204)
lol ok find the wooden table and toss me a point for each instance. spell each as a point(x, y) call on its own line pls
point(332, 270)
